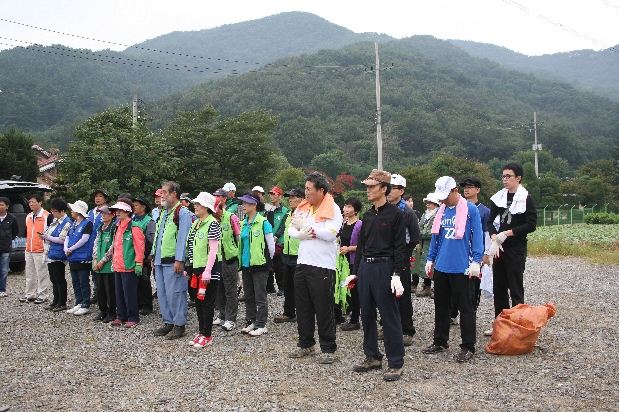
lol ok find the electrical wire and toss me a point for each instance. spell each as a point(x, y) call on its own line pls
point(609, 4)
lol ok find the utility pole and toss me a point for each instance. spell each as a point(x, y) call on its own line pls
point(536, 147)
point(379, 131)
point(135, 109)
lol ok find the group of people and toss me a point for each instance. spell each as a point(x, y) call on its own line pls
point(326, 262)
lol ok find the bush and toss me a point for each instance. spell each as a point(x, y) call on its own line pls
point(602, 219)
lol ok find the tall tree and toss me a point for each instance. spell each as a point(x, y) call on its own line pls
point(17, 156)
point(110, 152)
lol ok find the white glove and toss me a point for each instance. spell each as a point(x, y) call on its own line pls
point(306, 233)
point(396, 286)
point(299, 223)
point(500, 238)
point(429, 266)
point(495, 248)
point(349, 279)
point(473, 270)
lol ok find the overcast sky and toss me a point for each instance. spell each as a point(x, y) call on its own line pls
point(500, 22)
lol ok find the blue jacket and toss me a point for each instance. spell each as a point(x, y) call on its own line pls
point(84, 253)
point(56, 250)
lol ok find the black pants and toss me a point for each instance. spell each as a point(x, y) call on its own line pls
point(107, 293)
point(406, 304)
point(313, 296)
point(289, 305)
point(507, 273)
point(426, 281)
point(374, 283)
point(462, 288)
point(276, 275)
point(205, 309)
point(145, 289)
point(59, 282)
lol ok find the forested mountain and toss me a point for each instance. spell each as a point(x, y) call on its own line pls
point(591, 70)
point(52, 87)
point(435, 99)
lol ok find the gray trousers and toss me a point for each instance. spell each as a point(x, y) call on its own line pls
point(256, 304)
point(227, 300)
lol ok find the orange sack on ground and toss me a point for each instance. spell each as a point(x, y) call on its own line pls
point(516, 330)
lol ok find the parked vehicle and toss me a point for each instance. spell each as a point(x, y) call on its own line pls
point(17, 193)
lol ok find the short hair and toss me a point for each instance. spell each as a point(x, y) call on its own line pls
point(173, 187)
point(36, 196)
point(58, 204)
point(387, 185)
point(125, 195)
point(126, 200)
point(318, 180)
point(517, 168)
point(407, 198)
point(5, 200)
point(354, 202)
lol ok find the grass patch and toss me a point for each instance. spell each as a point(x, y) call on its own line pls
point(600, 253)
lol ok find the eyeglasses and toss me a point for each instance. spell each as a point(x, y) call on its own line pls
point(507, 176)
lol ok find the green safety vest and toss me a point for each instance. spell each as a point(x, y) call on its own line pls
point(257, 244)
point(170, 233)
point(291, 245)
point(231, 206)
point(105, 240)
point(200, 242)
point(128, 249)
point(143, 223)
point(278, 218)
point(228, 243)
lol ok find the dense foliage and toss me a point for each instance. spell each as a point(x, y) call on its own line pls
point(17, 157)
point(602, 219)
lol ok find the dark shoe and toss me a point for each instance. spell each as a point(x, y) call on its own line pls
point(94, 299)
point(381, 335)
point(241, 298)
point(368, 363)
point(51, 306)
point(325, 358)
point(155, 295)
point(284, 318)
point(145, 311)
point(408, 340)
point(176, 333)
point(426, 291)
point(340, 320)
point(280, 293)
point(164, 330)
point(464, 355)
point(271, 290)
point(393, 374)
point(351, 326)
point(60, 308)
point(434, 349)
point(99, 317)
point(108, 319)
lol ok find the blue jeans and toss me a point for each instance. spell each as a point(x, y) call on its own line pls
point(81, 286)
point(5, 258)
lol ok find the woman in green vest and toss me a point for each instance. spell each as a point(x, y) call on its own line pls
point(102, 264)
point(127, 263)
point(256, 249)
point(203, 256)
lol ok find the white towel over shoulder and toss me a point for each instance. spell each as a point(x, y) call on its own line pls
point(519, 204)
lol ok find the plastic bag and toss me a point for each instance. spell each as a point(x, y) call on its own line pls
point(515, 331)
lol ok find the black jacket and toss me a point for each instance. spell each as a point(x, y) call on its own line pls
point(9, 230)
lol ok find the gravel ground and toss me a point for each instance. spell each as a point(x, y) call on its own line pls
point(56, 361)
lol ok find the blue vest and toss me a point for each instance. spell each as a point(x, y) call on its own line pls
point(84, 253)
point(56, 250)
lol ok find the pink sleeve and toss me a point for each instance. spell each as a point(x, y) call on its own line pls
point(212, 254)
point(138, 243)
point(236, 226)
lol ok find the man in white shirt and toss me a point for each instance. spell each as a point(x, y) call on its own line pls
point(315, 222)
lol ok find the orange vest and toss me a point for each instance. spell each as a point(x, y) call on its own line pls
point(34, 243)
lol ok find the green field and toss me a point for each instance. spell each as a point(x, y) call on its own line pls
point(597, 243)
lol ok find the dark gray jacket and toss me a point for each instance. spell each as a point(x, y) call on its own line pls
point(9, 230)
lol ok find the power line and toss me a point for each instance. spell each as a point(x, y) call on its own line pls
point(561, 26)
point(609, 4)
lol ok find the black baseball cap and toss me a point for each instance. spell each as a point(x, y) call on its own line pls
point(471, 181)
point(296, 192)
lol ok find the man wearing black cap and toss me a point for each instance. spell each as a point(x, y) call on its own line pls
point(472, 187)
point(100, 197)
point(142, 219)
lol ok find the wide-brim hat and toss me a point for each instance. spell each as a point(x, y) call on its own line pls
point(142, 200)
point(377, 177)
point(79, 207)
point(431, 198)
point(122, 206)
point(207, 200)
point(102, 191)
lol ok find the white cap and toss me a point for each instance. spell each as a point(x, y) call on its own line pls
point(398, 180)
point(79, 207)
point(229, 187)
point(258, 189)
point(443, 186)
point(432, 199)
point(206, 199)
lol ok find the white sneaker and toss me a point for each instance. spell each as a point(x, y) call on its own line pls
point(488, 332)
point(3, 295)
point(258, 332)
point(81, 311)
point(248, 328)
point(229, 325)
point(74, 309)
point(218, 322)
